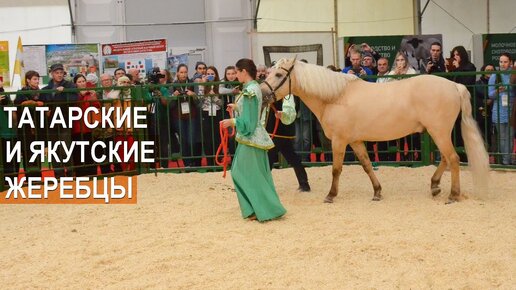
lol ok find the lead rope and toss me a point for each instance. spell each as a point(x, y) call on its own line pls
point(224, 141)
point(276, 122)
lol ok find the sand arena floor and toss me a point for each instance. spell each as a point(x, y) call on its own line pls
point(186, 232)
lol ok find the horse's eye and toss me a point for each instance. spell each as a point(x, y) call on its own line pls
point(278, 75)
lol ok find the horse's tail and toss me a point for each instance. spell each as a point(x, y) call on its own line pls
point(474, 144)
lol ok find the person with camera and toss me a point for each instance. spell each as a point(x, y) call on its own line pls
point(159, 128)
point(435, 63)
point(184, 114)
point(356, 68)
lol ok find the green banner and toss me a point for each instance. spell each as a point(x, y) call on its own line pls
point(4, 63)
point(495, 44)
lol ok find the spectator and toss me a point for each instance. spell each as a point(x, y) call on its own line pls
point(251, 175)
point(211, 109)
point(106, 83)
point(435, 63)
point(228, 93)
point(229, 90)
point(86, 99)
point(284, 138)
point(123, 132)
point(382, 147)
point(459, 62)
point(411, 143)
point(91, 80)
point(383, 69)
point(10, 169)
point(107, 96)
point(135, 76)
point(369, 62)
point(401, 66)
point(483, 104)
point(200, 71)
point(261, 72)
point(503, 101)
point(355, 67)
point(63, 100)
point(119, 72)
point(185, 116)
point(168, 77)
point(160, 126)
point(364, 48)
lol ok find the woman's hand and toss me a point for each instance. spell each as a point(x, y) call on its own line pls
point(232, 107)
point(455, 63)
point(226, 123)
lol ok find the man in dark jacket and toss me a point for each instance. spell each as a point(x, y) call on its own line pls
point(284, 138)
point(63, 100)
point(435, 63)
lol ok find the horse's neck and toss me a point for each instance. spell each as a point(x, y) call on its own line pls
point(313, 103)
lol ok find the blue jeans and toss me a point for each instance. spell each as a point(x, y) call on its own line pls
point(302, 141)
point(505, 141)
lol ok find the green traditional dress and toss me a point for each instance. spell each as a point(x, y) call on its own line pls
point(250, 169)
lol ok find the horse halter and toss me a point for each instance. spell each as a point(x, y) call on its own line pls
point(287, 76)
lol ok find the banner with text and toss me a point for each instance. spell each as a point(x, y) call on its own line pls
point(141, 55)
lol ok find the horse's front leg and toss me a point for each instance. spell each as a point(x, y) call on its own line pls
point(361, 152)
point(338, 158)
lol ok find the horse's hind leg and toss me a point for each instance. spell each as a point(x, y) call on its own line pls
point(436, 178)
point(361, 152)
point(338, 158)
point(447, 151)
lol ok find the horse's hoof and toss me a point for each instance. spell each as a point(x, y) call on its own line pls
point(436, 191)
point(450, 201)
point(328, 200)
point(377, 198)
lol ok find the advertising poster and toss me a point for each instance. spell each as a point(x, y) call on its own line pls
point(4, 63)
point(175, 60)
point(34, 58)
point(416, 47)
point(141, 55)
point(76, 58)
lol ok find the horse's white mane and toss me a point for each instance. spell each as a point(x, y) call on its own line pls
point(314, 79)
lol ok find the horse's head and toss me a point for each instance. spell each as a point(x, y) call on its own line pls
point(278, 84)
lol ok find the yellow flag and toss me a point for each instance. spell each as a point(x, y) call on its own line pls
point(18, 62)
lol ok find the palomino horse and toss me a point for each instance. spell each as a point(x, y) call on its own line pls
point(352, 111)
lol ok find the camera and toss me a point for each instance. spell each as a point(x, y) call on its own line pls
point(154, 75)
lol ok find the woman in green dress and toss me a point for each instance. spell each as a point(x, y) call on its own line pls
point(250, 168)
